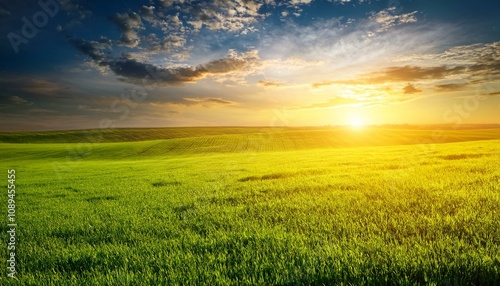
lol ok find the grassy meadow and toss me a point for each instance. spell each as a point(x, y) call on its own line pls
point(255, 206)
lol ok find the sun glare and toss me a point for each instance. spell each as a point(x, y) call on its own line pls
point(356, 122)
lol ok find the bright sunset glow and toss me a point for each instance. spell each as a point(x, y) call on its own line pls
point(250, 142)
point(248, 63)
point(356, 122)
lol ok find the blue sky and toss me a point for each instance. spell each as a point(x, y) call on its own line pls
point(92, 64)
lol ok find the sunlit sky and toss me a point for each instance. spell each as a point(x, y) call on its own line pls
point(97, 64)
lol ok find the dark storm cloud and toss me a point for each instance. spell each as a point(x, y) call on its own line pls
point(131, 70)
point(129, 24)
point(94, 50)
point(137, 72)
point(226, 65)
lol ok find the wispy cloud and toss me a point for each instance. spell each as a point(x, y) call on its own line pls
point(33, 86)
point(92, 109)
point(410, 89)
point(248, 55)
point(270, 83)
point(450, 86)
point(335, 102)
point(76, 10)
point(496, 93)
point(396, 74)
point(408, 73)
point(19, 100)
point(40, 110)
point(206, 101)
point(486, 64)
point(4, 12)
point(232, 16)
point(388, 18)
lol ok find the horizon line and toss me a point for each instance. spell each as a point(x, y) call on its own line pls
point(450, 125)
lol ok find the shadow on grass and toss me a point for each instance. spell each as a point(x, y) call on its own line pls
point(104, 198)
point(266, 177)
point(164, 184)
point(460, 156)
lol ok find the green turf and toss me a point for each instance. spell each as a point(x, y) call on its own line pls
point(248, 207)
point(370, 134)
point(126, 134)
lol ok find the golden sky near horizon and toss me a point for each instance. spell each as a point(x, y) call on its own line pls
point(249, 63)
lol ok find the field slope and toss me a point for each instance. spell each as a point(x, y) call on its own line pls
point(256, 206)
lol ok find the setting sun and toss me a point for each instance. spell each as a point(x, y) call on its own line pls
point(256, 142)
point(356, 122)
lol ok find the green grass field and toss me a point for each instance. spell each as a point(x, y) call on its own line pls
point(255, 206)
